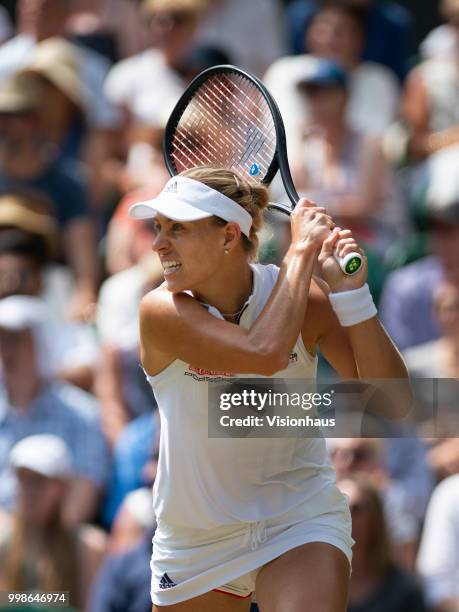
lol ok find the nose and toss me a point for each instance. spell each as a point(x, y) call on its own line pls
point(160, 242)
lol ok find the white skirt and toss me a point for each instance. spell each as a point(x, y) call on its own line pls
point(190, 562)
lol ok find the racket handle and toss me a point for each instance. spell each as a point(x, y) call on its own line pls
point(350, 263)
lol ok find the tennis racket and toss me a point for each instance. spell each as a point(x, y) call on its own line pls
point(226, 118)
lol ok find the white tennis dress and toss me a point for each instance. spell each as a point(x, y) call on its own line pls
point(225, 507)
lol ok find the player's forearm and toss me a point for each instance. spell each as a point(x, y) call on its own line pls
point(277, 328)
point(375, 354)
point(377, 358)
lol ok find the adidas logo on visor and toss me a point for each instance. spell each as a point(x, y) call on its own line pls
point(172, 187)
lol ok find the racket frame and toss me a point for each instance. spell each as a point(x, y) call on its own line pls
point(279, 161)
point(280, 158)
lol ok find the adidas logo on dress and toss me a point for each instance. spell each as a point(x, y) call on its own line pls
point(166, 582)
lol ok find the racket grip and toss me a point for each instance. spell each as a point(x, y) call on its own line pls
point(350, 263)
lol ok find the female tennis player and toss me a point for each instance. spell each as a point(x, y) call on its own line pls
point(235, 515)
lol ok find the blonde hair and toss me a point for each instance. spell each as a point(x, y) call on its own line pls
point(53, 566)
point(253, 197)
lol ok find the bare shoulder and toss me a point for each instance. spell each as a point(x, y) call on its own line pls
point(161, 304)
point(156, 303)
point(166, 321)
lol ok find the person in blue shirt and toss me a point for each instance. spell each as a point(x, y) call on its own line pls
point(390, 39)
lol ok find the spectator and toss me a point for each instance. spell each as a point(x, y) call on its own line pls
point(123, 584)
point(126, 240)
point(37, 550)
point(337, 33)
point(53, 69)
point(28, 165)
point(135, 458)
point(153, 78)
point(430, 104)
point(440, 359)
point(230, 24)
point(377, 583)
point(342, 167)
point(134, 516)
point(407, 299)
point(443, 41)
point(33, 402)
point(386, 21)
point(364, 457)
point(38, 21)
point(35, 22)
point(6, 27)
point(113, 28)
point(438, 559)
point(120, 383)
point(22, 262)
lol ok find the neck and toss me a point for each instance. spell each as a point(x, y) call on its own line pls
point(228, 302)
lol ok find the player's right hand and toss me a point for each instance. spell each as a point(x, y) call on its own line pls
point(310, 225)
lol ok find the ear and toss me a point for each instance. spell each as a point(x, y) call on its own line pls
point(232, 236)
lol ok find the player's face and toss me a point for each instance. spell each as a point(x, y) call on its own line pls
point(191, 253)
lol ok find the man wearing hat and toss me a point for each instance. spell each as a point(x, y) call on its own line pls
point(38, 550)
point(341, 166)
point(32, 401)
point(39, 21)
point(29, 165)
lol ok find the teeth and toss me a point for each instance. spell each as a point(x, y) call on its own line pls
point(171, 266)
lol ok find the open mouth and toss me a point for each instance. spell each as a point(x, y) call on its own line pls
point(170, 267)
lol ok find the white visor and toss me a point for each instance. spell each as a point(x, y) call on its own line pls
point(184, 199)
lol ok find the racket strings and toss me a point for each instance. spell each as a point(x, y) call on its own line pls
point(227, 123)
point(244, 113)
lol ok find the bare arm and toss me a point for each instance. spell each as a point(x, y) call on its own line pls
point(178, 326)
point(80, 246)
point(364, 350)
point(108, 389)
point(175, 326)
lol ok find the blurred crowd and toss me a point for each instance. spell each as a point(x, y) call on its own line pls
point(372, 123)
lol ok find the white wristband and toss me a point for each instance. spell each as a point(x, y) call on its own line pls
point(352, 307)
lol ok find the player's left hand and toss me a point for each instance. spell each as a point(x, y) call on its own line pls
point(341, 242)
